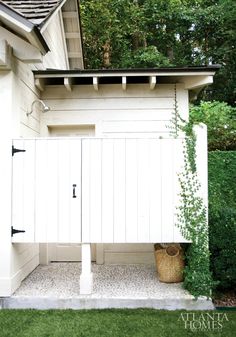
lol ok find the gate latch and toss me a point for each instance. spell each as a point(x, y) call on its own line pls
point(15, 231)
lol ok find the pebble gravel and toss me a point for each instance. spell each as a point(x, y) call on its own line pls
point(61, 280)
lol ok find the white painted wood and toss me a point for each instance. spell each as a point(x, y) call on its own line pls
point(18, 192)
point(106, 104)
point(143, 194)
point(113, 127)
point(113, 90)
point(42, 189)
point(39, 83)
point(124, 82)
point(86, 173)
point(5, 55)
point(131, 191)
point(182, 96)
point(155, 188)
point(52, 189)
point(28, 189)
point(68, 83)
point(167, 201)
point(57, 58)
point(95, 83)
point(90, 117)
point(178, 165)
point(119, 190)
point(197, 82)
point(64, 192)
point(23, 50)
point(75, 203)
point(70, 15)
point(86, 277)
point(126, 192)
point(107, 185)
point(95, 191)
point(152, 82)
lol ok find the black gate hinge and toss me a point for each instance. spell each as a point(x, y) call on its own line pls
point(15, 231)
point(14, 150)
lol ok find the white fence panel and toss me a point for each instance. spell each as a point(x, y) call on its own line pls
point(131, 192)
point(97, 190)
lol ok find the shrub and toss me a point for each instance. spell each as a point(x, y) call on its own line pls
point(222, 180)
point(222, 216)
point(222, 235)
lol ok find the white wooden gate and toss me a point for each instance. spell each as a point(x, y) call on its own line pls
point(42, 196)
point(126, 190)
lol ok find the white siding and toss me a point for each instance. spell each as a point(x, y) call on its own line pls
point(137, 111)
point(56, 58)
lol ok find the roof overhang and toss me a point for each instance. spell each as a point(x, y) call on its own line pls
point(193, 78)
point(22, 27)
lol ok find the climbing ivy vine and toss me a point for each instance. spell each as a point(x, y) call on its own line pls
point(192, 213)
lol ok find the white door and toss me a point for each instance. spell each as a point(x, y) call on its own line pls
point(46, 198)
point(69, 251)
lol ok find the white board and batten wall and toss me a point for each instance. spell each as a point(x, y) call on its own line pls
point(96, 190)
point(134, 112)
point(113, 112)
point(127, 187)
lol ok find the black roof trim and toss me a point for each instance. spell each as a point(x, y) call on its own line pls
point(15, 15)
point(21, 19)
point(127, 71)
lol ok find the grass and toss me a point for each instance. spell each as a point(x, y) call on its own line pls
point(105, 323)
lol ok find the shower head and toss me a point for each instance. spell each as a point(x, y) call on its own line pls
point(45, 108)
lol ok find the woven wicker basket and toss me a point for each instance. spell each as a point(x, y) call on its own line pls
point(170, 263)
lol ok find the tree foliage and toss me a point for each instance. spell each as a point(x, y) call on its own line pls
point(154, 33)
point(220, 119)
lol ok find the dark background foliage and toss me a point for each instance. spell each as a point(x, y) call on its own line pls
point(153, 33)
point(222, 216)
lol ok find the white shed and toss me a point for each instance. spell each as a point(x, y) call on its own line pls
point(100, 167)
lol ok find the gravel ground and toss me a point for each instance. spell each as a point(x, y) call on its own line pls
point(61, 280)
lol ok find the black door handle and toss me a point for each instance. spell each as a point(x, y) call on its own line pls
point(74, 195)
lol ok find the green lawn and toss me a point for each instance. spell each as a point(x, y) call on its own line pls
point(112, 323)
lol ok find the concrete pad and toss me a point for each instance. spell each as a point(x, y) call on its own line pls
point(56, 286)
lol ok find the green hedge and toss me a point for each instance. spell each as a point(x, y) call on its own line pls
point(222, 216)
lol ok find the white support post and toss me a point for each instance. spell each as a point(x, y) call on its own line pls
point(124, 82)
point(202, 160)
point(86, 277)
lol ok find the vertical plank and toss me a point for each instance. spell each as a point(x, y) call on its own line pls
point(155, 185)
point(119, 191)
point(143, 190)
point(95, 191)
point(107, 190)
point(75, 178)
point(167, 190)
point(131, 191)
point(85, 187)
point(28, 189)
point(52, 190)
point(64, 190)
point(41, 191)
point(178, 164)
point(18, 192)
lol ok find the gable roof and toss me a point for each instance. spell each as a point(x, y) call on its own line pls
point(37, 12)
